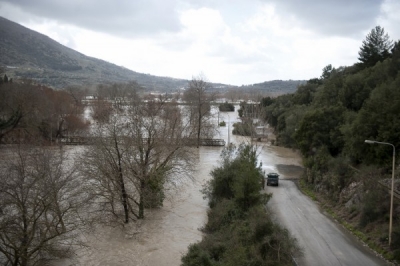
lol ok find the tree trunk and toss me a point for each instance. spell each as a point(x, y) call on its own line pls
point(199, 127)
point(122, 184)
point(141, 199)
point(124, 197)
point(24, 241)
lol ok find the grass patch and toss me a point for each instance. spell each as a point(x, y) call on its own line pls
point(307, 190)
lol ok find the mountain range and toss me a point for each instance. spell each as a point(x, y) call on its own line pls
point(27, 54)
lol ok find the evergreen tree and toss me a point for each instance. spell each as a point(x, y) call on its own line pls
point(376, 47)
point(394, 67)
point(326, 71)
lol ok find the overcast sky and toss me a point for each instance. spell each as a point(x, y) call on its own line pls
point(228, 41)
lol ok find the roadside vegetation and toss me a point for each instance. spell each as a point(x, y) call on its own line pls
point(240, 230)
point(329, 118)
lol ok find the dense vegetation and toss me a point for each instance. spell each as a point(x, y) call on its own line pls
point(330, 117)
point(226, 107)
point(239, 231)
point(31, 112)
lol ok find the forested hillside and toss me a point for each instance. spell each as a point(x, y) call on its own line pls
point(26, 54)
point(329, 118)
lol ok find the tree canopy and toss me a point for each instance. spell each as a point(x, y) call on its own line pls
point(376, 47)
point(328, 120)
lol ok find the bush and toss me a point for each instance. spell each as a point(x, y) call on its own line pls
point(239, 231)
point(375, 206)
point(238, 178)
point(223, 214)
point(243, 129)
point(226, 107)
point(196, 256)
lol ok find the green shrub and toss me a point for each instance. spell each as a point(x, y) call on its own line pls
point(243, 129)
point(238, 178)
point(223, 214)
point(239, 231)
point(375, 206)
point(196, 256)
point(226, 107)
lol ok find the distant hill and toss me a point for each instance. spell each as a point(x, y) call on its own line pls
point(25, 53)
point(28, 54)
point(275, 86)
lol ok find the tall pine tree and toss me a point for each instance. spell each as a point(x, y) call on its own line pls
point(376, 47)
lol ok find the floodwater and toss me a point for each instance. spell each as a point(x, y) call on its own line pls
point(165, 234)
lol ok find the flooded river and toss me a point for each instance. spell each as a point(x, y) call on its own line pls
point(163, 237)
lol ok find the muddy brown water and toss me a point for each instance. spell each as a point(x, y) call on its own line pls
point(165, 234)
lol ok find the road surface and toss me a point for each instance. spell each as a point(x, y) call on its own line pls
point(324, 242)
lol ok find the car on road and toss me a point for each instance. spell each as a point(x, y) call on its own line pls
point(273, 179)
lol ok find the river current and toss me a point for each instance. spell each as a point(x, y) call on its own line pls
point(165, 234)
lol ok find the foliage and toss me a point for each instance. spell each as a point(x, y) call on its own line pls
point(226, 107)
point(278, 108)
point(326, 72)
point(304, 94)
point(243, 129)
point(239, 231)
point(222, 124)
point(376, 47)
point(377, 120)
point(287, 125)
point(394, 66)
point(329, 118)
point(345, 107)
point(321, 127)
point(238, 177)
point(266, 101)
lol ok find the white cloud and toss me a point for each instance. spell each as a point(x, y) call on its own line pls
point(230, 41)
point(390, 18)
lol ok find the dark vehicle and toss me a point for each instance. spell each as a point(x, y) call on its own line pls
point(272, 179)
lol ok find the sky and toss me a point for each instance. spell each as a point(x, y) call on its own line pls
point(236, 42)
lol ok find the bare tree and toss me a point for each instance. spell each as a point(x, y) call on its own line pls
point(101, 110)
point(199, 97)
point(156, 132)
point(103, 166)
point(76, 93)
point(40, 203)
point(29, 112)
point(118, 93)
point(134, 155)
